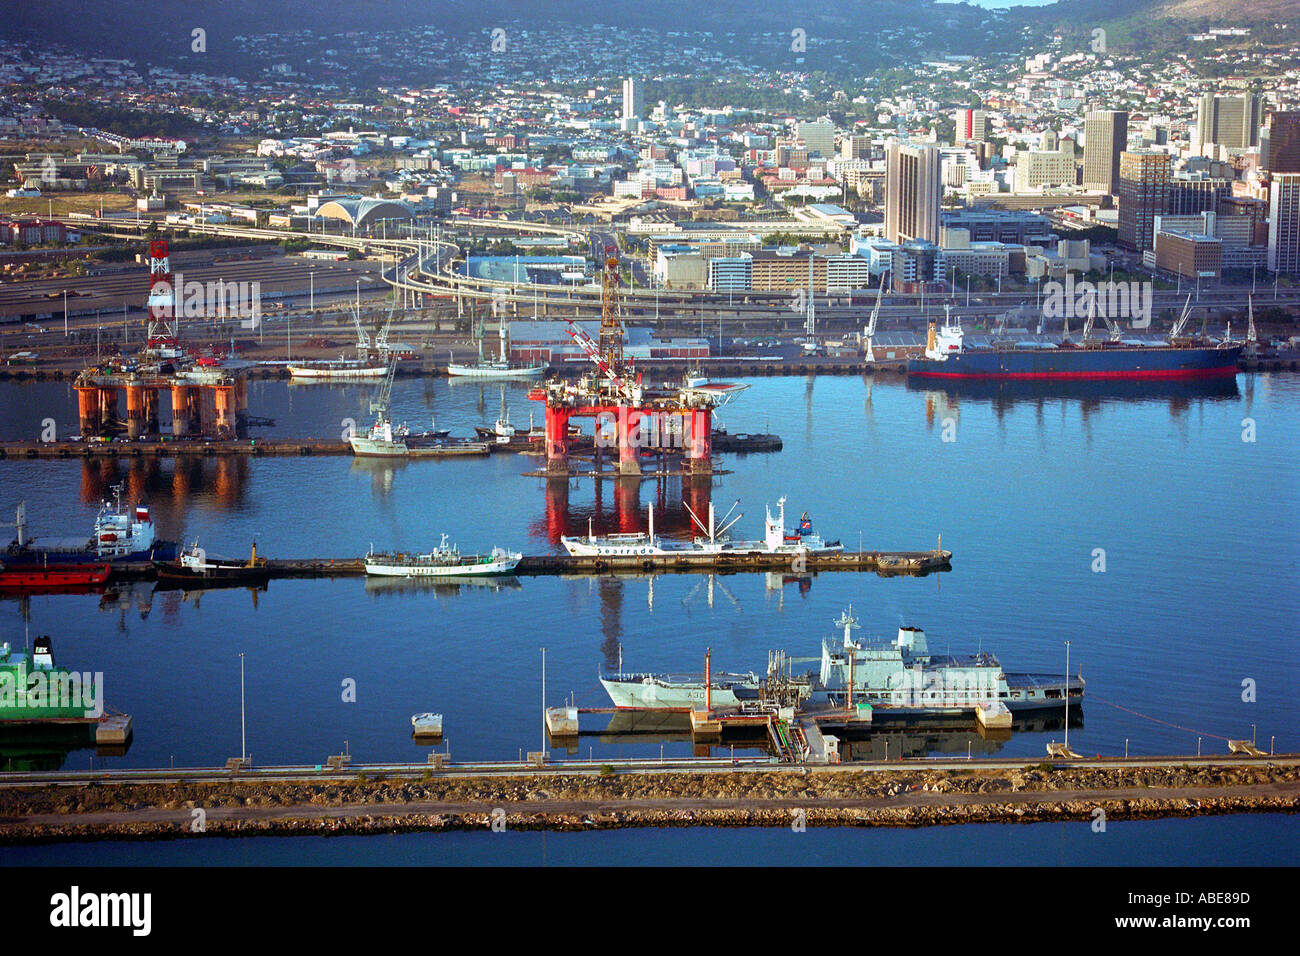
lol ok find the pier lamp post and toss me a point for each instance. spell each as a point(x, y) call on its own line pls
point(1067, 696)
point(1198, 746)
point(243, 739)
point(311, 294)
point(1125, 748)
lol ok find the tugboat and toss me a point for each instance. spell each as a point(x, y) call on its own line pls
point(196, 569)
point(777, 539)
point(444, 561)
point(122, 537)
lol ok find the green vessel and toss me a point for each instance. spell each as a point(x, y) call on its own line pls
point(33, 690)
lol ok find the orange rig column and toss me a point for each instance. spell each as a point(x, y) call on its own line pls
point(88, 410)
point(224, 401)
point(181, 411)
point(134, 410)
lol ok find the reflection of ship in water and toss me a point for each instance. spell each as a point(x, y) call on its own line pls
point(445, 586)
point(1080, 390)
point(47, 748)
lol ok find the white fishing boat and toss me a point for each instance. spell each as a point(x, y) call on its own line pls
point(777, 539)
point(443, 562)
point(338, 370)
point(500, 367)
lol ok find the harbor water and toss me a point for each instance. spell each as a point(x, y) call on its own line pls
point(1153, 528)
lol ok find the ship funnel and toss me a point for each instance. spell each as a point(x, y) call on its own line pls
point(42, 656)
point(912, 639)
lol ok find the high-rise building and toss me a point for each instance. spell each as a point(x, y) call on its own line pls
point(1196, 193)
point(1106, 136)
point(1279, 145)
point(818, 137)
point(913, 192)
point(856, 147)
point(1044, 168)
point(1228, 121)
point(1143, 193)
point(632, 104)
point(972, 125)
point(1284, 223)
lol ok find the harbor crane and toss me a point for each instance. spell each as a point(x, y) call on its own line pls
point(870, 332)
point(1181, 324)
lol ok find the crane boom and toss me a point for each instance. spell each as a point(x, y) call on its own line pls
point(1181, 324)
point(875, 317)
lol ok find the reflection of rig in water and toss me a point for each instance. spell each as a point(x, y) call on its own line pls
point(208, 399)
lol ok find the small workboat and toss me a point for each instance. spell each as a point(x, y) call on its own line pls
point(426, 725)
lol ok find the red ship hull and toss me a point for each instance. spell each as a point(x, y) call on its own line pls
point(57, 576)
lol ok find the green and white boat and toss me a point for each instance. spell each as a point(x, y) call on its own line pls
point(444, 561)
point(33, 689)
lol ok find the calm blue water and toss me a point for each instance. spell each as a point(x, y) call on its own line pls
point(1248, 840)
point(1199, 591)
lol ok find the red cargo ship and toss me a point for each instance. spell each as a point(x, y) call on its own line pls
point(53, 577)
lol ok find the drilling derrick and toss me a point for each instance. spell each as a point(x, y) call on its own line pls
point(611, 325)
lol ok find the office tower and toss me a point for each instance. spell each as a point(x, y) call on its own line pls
point(1284, 223)
point(913, 191)
point(1190, 194)
point(1228, 121)
point(1105, 137)
point(972, 125)
point(855, 147)
point(1279, 145)
point(818, 137)
point(632, 104)
point(1143, 193)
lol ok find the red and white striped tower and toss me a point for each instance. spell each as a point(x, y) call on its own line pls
point(162, 301)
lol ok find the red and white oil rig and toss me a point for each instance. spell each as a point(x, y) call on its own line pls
point(208, 398)
point(642, 422)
